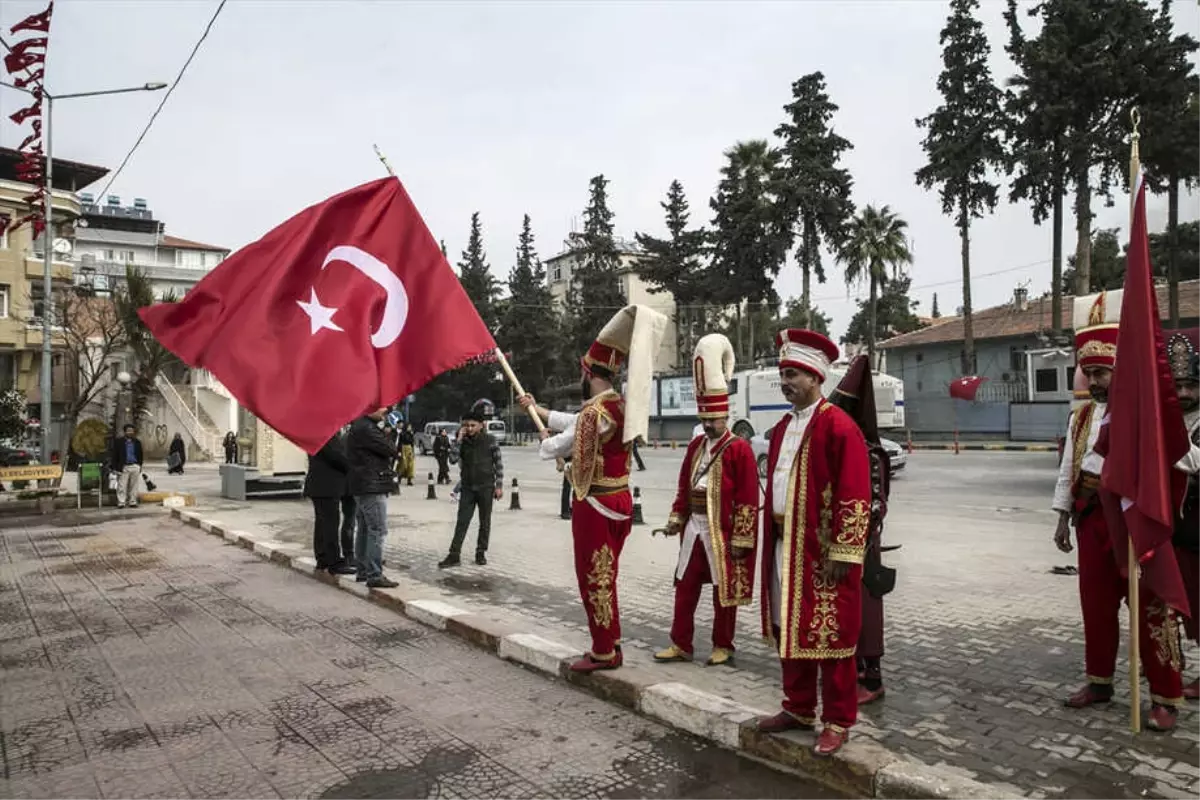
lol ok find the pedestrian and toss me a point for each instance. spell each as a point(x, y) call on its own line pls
point(1185, 369)
point(127, 464)
point(855, 395)
point(482, 482)
point(231, 448)
point(371, 455)
point(818, 497)
point(1101, 585)
point(599, 439)
point(716, 510)
point(408, 460)
point(564, 503)
point(325, 485)
point(441, 452)
point(638, 457)
point(176, 455)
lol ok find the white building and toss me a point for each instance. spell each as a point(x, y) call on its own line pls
point(633, 288)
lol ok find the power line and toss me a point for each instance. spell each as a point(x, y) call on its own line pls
point(163, 102)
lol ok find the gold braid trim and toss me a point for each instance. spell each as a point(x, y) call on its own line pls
point(851, 542)
point(744, 534)
point(601, 577)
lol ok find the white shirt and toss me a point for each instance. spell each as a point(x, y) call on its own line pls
point(697, 524)
point(561, 444)
point(1064, 498)
point(788, 449)
point(1191, 462)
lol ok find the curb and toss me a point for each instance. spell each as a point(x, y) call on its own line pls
point(1000, 447)
point(862, 769)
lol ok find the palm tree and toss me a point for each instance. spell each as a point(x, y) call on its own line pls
point(876, 249)
point(151, 357)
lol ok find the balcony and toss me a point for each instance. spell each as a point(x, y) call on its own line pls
point(60, 268)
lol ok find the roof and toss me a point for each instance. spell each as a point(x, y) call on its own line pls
point(1005, 321)
point(69, 176)
point(187, 244)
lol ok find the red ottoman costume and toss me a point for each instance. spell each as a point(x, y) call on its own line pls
point(716, 510)
point(1185, 369)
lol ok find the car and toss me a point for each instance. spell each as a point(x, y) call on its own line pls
point(426, 435)
point(498, 431)
point(897, 458)
point(15, 456)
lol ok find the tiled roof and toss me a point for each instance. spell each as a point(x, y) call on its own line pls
point(187, 244)
point(1003, 321)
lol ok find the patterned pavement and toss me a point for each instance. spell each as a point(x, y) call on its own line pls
point(138, 659)
point(983, 641)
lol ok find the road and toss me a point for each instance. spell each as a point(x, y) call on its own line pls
point(141, 660)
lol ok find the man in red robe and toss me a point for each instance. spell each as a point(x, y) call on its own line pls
point(599, 441)
point(716, 510)
point(1185, 369)
point(818, 508)
point(1101, 585)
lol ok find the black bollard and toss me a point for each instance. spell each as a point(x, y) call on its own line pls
point(431, 493)
point(515, 503)
point(637, 507)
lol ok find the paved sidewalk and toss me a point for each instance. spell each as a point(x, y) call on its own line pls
point(138, 659)
point(983, 641)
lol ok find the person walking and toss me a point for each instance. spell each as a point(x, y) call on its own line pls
point(408, 461)
point(564, 502)
point(371, 455)
point(127, 464)
point(176, 456)
point(231, 448)
point(325, 486)
point(482, 482)
point(441, 451)
point(637, 457)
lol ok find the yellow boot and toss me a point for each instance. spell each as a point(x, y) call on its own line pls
point(720, 656)
point(672, 653)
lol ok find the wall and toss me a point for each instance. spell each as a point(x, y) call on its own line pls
point(1038, 422)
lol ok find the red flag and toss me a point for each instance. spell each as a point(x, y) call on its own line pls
point(1145, 435)
point(348, 306)
point(966, 388)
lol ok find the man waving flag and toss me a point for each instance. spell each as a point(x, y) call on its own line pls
point(346, 307)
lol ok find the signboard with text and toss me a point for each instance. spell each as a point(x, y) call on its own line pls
point(677, 397)
point(33, 472)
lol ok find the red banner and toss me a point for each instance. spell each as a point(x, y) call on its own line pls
point(26, 66)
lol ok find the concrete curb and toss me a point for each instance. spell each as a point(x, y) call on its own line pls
point(862, 769)
point(999, 447)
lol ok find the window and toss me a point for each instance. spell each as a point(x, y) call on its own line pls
point(5, 221)
point(189, 258)
point(110, 255)
point(37, 297)
point(5, 293)
point(8, 371)
point(556, 276)
point(1016, 360)
point(1045, 380)
point(127, 256)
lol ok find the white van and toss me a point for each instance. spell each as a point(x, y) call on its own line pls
point(498, 430)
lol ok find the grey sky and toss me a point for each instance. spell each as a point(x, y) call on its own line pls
point(508, 108)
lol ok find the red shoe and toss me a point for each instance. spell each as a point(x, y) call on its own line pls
point(590, 663)
point(1162, 718)
point(1192, 690)
point(866, 695)
point(830, 740)
point(1090, 695)
point(783, 721)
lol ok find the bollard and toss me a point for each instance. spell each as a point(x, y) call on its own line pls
point(515, 503)
point(674, 444)
point(637, 507)
point(910, 450)
point(431, 493)
point(956, 441)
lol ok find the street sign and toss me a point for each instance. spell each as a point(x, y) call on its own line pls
point(33, 472)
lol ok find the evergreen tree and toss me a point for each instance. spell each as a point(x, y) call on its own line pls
point(674, 265)
point(476, 276)
point(1108, 265)
point(876, 250)
point(797, 315)
point(530, 322)
point(813, 190)
point(595, 293)
point(748, 243)
point(894, 314)
point(936, 314)
point(1109, 258)
point(962, 140)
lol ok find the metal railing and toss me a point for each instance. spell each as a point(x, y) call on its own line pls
point(208, 441)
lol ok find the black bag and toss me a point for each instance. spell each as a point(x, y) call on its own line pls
point(878, 579)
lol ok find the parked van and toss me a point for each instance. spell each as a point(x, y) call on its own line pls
point(425, 436)
point(498, 430)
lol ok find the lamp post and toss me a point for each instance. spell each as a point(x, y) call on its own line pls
point(48, 240)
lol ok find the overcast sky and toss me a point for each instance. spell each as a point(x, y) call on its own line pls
point(509, 108)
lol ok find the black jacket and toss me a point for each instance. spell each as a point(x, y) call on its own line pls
point(177, 446)
point(327, 470)
point(371, 455)
point(441, 445)
point(118, 453)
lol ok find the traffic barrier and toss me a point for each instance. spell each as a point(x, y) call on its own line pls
point(430, 493)
point(637, 507)
point(515, 503)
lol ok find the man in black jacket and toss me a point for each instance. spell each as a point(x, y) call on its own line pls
point(127, 464)
point(371, 455)
point(441, 451)
point(325, 485)
point(482, 482)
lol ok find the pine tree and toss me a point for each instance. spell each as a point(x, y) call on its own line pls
point(962, 140)
point(814, 191)
point(478, 380)
point(530, 328)
point(595, 294)
point(674, 265)
point(936, 314)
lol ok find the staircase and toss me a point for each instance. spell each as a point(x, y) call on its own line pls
point(202, 431)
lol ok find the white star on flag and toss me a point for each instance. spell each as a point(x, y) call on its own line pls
point(319, 316)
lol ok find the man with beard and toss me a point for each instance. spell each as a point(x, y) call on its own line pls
point(814, 537)
point(716, 510)
point(599, 440)
point(1185, 369)
point(856, 396)
point(1101, 585)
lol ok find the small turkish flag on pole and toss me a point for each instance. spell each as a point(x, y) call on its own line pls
point(966, 388)
point(346, 307)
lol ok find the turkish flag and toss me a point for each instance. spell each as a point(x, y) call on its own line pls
point(1144, 435)
point(965, 388)
point(346, 307)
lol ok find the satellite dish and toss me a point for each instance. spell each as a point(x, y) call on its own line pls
point(62, 246)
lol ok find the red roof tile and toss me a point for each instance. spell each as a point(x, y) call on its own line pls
point(187, 244)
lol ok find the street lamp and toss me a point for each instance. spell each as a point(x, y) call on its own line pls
point(48, 238)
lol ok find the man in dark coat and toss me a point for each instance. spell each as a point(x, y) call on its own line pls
point(482, 483)
point(176, 456)
point(441, 451)
point(371, 454)
point(325, 485)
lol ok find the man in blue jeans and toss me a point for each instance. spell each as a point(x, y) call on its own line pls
point(371, 454)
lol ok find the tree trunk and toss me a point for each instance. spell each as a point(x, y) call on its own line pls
point(1173, 250)
point(805, 296)
point(964, 232)
point(871, 322)
point(1083, 232)
point(750, 323)
point(1056, 249)
point(741, 351)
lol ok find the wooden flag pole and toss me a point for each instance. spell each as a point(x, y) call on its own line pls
point(1134, 598)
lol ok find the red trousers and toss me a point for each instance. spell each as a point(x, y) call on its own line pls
point(598, 541)
point(839, 690)
point(1189, 567)
point(687, 597)
point(1101, 590)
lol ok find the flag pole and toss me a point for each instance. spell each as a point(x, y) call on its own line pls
point(1134, 597)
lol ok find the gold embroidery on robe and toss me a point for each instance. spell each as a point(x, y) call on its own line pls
point(1164, 633)
point(744, 518)
point(851, 541)
point(585, 456)
point(601, 577)
point(824, 624)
